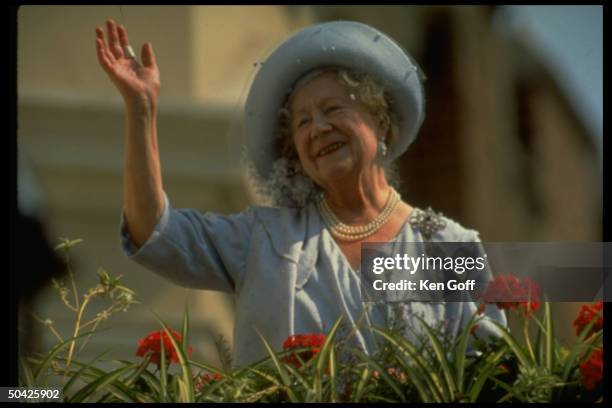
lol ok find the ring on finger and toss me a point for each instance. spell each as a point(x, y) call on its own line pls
point(129, 52)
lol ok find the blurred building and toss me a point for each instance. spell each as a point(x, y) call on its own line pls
point(71, 124)
point(501, 150)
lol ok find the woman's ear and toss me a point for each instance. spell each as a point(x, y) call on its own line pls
point(384, 123)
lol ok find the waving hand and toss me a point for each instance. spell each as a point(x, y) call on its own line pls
point(138, 83)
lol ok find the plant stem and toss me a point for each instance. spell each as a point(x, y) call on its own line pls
point(55, 333)
point(72, 281)
point(69, 306)
point(108, 311)
point(76, 333)
point(49, 326)
point(527, 341)
point(97, 322)
point(92, 321)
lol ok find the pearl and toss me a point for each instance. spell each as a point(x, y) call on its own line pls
point(353, 233)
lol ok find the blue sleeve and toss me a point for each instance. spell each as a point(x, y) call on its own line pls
point(485, 328)
point(194, 249)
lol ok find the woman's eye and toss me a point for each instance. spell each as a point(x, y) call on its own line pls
point(331, 109)
point(302, 122)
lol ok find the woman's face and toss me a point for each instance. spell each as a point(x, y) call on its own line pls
point(334, 134)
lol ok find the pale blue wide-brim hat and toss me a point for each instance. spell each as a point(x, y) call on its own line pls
point(346, 44)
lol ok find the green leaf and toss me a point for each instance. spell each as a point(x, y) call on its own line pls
point(67, 244)
point(258, 395)
point(154, 383)
point(381, 399)
point(163, 372)
point(224, 383)
point(209, 367)
point(117, 388)
point(173, 393)
point(414, 377)
point(425, 371)
point(580, 340)
point(265, 376)
point(186, 373)
point(510, 391)
point(85, 367)
point(185, 329)
point(138, 373)
point(461, 352)
point(363, 379)
point(300, 378)
point(28, 378)
point(440, 354)
point(384, 375)
point(333, 375)
point(540, 347)
point(322, 358)
point(514, 346)
point(58, 347)
point(548, 321)
point(280, 368)
point(484, 372)
point(85, 393)
point(215, 370)
point(183, 390)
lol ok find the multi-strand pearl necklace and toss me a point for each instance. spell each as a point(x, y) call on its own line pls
point(351, 233)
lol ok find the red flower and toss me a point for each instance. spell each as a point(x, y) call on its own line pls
point(312, 341)
point(152, 344)
point(202, 380)
point(507, 292)
point(481, 309)
point(505, 368)
point(586, 314)
point(592, 370)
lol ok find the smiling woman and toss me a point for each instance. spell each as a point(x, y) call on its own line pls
point(335, 136)
point(351, 102)
point(337, 97)
point(344, 91)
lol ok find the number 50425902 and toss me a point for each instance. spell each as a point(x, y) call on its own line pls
point(23, 393)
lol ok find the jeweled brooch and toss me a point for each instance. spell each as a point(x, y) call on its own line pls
point(428, 222)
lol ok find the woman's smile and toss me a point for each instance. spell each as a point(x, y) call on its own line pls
point(330, 149)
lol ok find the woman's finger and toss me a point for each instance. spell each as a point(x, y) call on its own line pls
point(148, 56)
point(113, 39)
point(103, 48)
point(123, 36)
point(125, 45)
point(102, 58)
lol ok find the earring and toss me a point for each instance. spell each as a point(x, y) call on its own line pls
point(382, 147)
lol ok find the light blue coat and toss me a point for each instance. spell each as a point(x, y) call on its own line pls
point(285, 271)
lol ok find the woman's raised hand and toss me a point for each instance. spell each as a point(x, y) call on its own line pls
point(137, 82)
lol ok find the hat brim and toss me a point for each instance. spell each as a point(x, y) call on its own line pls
point(340, 43)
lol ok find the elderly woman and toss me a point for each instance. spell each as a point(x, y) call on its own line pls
point(327, 113)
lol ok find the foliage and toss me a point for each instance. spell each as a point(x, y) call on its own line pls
point(326, 367)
